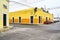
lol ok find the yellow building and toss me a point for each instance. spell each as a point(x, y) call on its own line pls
point(30, 16)
point(4, 13)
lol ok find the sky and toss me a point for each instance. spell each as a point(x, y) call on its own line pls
point(36, 3)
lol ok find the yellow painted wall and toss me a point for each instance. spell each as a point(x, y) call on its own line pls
point(25, 15)
point(3, 11)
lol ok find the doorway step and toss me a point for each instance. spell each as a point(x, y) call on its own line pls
point(6, 29)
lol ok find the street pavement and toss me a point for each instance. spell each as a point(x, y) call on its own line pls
point(32, 32)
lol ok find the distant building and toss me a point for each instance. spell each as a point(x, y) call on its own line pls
point(30, 16)
point(4, 13)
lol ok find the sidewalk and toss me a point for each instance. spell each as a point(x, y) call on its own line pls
point(6, 29)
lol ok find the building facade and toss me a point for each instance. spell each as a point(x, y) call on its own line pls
point(4, 13)
point(30, 16)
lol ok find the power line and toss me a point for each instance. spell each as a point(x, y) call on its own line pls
point(31, 6)
point(20, 3)
point(36, 2)
point(53, 8)
point(25, 4)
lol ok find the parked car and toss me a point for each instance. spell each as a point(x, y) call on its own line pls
point(48, 22)
point(56, 20)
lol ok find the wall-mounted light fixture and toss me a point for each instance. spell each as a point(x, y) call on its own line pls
point(5, 6)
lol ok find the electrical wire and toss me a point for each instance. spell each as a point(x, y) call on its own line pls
point(36, 2)
point(31, 6)
point(20, 3)
point(53, 8)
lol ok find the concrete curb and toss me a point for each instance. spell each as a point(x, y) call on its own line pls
point(6, 29)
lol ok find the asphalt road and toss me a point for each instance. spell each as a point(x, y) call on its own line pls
point(32, 32)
